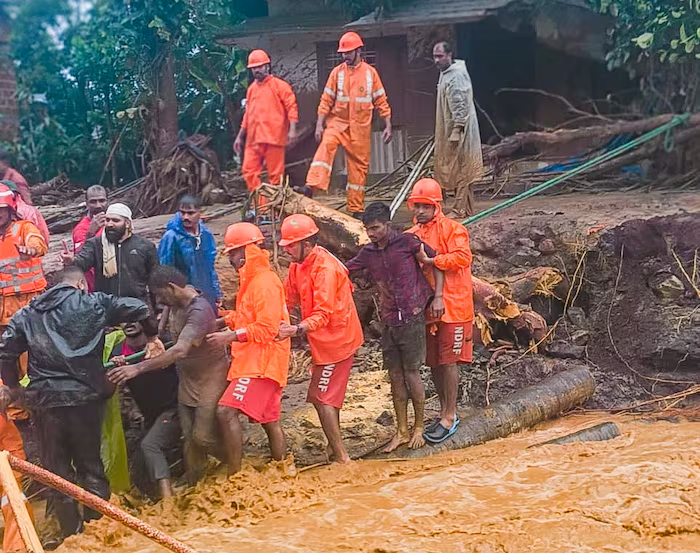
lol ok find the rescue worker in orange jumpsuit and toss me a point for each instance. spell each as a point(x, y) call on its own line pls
point(270, 121)
point(10, 441)
point(345, 111)
point(22, 246)
point(319, 283)
point(449, 339)
point(260, 364)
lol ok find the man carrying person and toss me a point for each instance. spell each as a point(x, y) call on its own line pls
point(351, 94)
point(8, 173)
point(202, 367)
point(319, 283)
point(189, 246)
point(448, 338)
point(260, 364)
point(269, 122)
point(155, 394)
point(458, 161)
point(63, 331)
point(404, 294)
point(92, 224)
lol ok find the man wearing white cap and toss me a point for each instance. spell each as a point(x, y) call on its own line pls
point(123, 261)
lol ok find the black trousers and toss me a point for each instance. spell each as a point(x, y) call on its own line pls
point(69, 439)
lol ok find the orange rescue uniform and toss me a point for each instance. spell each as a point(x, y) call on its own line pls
point(11, 441)
point(260, 306)
point(454, 257)
point(270, 106)
point(348, 101)
point(320, 284)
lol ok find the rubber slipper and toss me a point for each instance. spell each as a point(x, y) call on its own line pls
point(440, 433)
point(432, 424)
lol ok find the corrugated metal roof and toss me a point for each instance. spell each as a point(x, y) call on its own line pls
point(285, 25)
point(432, 12)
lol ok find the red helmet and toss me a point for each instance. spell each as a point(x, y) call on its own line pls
point(241, 234)
point(350, 41)
point(7, 197)
point(258, 58)
point(426, 191)
point(296, 228)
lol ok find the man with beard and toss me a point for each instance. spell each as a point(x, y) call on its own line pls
point(92, 224)
point(123, 261)
point(351, 94)
point(155, 394)
point(202, 366)
point(270, 121)
point(458, 161)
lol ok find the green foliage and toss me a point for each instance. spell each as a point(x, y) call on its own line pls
point(668, 31)
point(86, 82)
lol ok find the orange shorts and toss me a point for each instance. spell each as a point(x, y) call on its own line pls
point(448, 343)
point(329, 382)
point(258, 398)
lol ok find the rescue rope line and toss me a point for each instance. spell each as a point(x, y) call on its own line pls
point(665, 128)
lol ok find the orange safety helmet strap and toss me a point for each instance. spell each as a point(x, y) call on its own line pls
point(296, 228)
point(241, 234)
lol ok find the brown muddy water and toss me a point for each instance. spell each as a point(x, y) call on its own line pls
point(637, 493)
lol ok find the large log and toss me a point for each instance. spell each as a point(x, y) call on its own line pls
point(548, 399)
point(541, 141)
point(340, 233)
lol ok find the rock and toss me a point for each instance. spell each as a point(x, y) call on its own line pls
point(577, 316)
point(217, 196)
point(536, 235)
point(527, 242)
point(547, 247)
point(581, 337)
point(669, 288)
point(385, 419)
point(564, 350)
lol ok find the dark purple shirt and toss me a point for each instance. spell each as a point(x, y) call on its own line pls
point(404, 291)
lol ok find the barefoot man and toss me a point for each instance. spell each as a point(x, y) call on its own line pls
point(320, 284)
point(259, 368)
point(404, 293)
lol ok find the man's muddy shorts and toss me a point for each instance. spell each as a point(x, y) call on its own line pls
point(258, 398)
point(199, 425)
point(448, 343)
point(403, 347)
point(329, 382)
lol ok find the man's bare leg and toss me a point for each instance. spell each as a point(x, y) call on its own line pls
point(232, 433)
point(165, 487)
point(399, 395)
point(448, 411)
point(416, 391)
point(330, 422)
point(275, 436)
point(439, 381)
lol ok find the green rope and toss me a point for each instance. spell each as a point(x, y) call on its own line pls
point(665, 128)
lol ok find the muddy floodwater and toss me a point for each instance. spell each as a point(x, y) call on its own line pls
point(637, 493)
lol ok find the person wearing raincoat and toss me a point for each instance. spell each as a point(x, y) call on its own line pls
point(458, 161)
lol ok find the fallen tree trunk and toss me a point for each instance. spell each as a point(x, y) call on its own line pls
point(540, 141)
point(340, 233)
point(597, 433)
point(548, 399)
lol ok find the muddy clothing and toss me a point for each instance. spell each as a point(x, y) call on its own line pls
point(203, 372)
point(260, 399)
point(136, 259)
point(70, 447)
point(449, 343)
point(458, 163)
point(403, 347)
point(63, 331)
point(329, 383)
point(163, 435)
point(404, 292)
